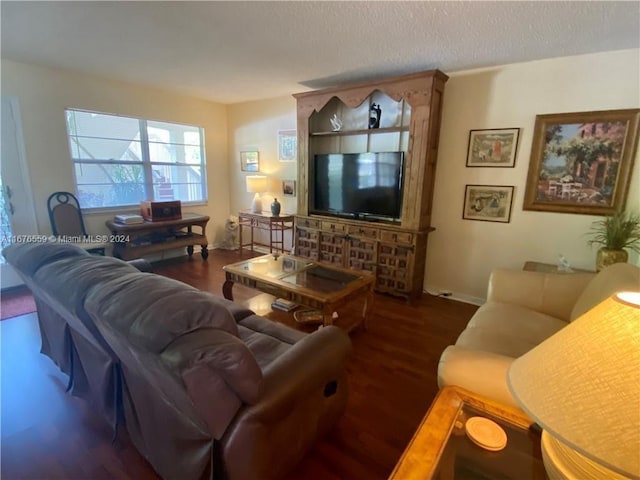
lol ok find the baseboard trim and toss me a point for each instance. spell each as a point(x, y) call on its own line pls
point(458, 297)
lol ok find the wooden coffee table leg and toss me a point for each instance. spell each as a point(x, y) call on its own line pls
point(227, 288)
point(327, 315)
point(368, 306)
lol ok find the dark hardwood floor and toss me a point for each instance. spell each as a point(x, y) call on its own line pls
point(48, 434)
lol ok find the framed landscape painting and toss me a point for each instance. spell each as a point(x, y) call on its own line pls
point(492, 148)
point(488, 203)
point(582, 162)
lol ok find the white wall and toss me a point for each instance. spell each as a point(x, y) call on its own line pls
point(461, 253)
point(255, 126)
point(43, 95)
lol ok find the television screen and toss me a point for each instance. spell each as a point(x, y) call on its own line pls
point(358, 184)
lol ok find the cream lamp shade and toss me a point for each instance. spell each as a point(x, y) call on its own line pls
point(582, 386)
point(256, 184)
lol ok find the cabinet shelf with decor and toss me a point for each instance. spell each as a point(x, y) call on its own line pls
point(342, 133)
point(407, 114)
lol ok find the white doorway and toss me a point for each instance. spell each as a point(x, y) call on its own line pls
point(17, 215)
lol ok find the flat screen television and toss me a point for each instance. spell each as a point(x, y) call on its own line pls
point(365, 186)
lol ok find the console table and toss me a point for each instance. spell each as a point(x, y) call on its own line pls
point(275, 225)
point(136, 240)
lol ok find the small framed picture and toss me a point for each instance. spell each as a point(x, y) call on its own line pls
point(289, 188)
point(250, 161)
point(287, 146)
point(489, 203)
point(493, 148)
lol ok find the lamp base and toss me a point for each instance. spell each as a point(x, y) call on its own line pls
point(563, 463)
point(256, 205)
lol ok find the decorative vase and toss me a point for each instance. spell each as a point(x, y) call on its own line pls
point(606, 257)
point(275, 207)
point(375, 112)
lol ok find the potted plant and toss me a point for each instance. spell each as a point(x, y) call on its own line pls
point(615, 233)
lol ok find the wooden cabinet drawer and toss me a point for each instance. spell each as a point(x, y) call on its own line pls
point(303, 233)
point(360, 231)
point(307, 222)
point(334, 227)
point(396, 237)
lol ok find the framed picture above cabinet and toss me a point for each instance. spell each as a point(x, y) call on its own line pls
point(493, 148)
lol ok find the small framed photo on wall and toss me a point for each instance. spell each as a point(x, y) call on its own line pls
point(488, 203)
point(493, 148)
point(287, 146)
point(250, 161)
point(289, 188)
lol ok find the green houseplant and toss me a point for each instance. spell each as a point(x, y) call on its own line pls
point(615, 233)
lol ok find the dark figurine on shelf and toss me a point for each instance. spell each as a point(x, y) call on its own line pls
point(374, 116)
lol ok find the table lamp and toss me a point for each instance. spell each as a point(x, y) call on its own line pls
point(582, 386)
point(256, 184)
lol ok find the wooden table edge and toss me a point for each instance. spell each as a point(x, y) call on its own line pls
point(420, 459)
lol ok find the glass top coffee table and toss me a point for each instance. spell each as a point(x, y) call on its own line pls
point(319, 286)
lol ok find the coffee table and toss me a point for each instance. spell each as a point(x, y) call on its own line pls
point(316, 285)
point(440, 448)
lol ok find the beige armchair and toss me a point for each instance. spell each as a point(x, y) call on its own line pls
point(522, 310)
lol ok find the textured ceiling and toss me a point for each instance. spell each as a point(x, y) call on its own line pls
point(238, 51)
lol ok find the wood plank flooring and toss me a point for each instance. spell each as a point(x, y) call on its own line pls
point(48, 434)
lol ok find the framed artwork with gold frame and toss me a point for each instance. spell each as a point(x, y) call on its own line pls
point(582, 162)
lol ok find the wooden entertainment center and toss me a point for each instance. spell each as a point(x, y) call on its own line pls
point(409, 122)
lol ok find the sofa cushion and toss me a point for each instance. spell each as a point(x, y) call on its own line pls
point(267, 340)
point(508, 329)
point(68, 280)
point(615, 278)
point(29, 257)
point(273, 329)
point(153, 310)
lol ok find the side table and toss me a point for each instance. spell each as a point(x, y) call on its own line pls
point(440, 448)
point(275, 225)
point(549, 268)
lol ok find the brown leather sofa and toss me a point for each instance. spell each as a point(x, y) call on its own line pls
point(206, 388)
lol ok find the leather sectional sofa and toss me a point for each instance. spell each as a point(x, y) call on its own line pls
point(522, 310)
point(205, 388)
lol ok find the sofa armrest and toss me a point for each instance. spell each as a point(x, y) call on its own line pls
point(481, 372)
point(553, 294)
point(310, 364)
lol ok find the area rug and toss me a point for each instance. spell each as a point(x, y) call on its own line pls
point(16, 302)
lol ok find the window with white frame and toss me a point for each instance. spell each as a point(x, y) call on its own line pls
point(119, 161)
